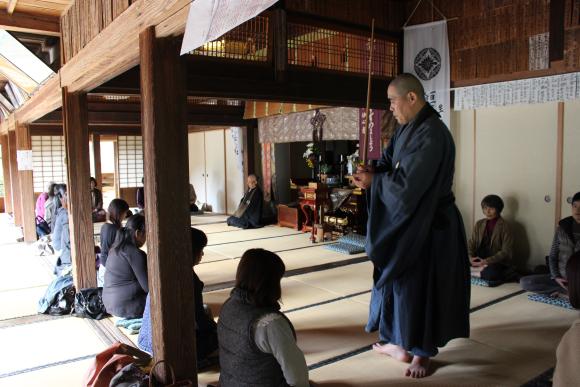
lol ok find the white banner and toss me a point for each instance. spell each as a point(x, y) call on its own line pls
point(209, 19)
point(426, 55)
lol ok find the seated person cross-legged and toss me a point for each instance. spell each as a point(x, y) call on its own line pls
point(565, 243)
point(126, 283)
point(249, 212)
point(257, 342)
point(98, 214)
point(491, 243)
point(206, 344)
point(192, 199)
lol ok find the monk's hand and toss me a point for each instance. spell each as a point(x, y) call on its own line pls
point(364, 168)
point(363, 179)
point(478, 262)
point(562, 282)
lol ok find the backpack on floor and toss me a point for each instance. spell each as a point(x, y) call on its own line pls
point(89, 304)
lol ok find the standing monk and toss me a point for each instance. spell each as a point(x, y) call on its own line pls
point(415, 237)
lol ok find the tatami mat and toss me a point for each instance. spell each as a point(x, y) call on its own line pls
point(207, 218)
point(215, 228)
point(249, 235)
point(20, 302)
point(462, 362)
point(282, 242)
point(522, 326)
point(331, 329)
point(224, 271)
point(48, 342)
point(67, 374)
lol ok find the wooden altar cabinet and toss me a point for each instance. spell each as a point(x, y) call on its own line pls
point(312, 200)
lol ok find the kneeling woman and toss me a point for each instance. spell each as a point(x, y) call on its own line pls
point(126, 285)
point(257, 342)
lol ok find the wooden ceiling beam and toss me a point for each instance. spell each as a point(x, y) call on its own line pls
point(116, 48)
point(33, 24)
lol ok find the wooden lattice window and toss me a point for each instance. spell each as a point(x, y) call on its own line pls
point(130, 161)
point(48, 157)
point(323, 48)
point(248, 41)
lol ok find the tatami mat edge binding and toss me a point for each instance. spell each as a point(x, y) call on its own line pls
point(290, 273)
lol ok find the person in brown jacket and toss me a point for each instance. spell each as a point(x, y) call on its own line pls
point(567, 372)
point(491, 243)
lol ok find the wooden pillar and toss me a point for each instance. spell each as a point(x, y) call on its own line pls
point(167, 203)
point(76, 137)
point(24, 143)
point(6, 174)
point(97, 159)
point(14, 179)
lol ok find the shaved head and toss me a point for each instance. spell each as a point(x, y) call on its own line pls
point(407, 83)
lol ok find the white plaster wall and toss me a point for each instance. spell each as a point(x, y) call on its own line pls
point(571, 154)
point(462, 123)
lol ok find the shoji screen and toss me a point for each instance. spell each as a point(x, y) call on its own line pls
point(48, 156)
point(130, 161)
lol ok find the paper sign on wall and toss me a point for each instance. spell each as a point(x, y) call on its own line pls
point(24, 160)
point(210, 19)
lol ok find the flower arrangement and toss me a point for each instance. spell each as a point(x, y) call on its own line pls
point(310, 154)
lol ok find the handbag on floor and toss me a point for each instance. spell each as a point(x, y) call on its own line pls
point(171, 373)
point(89, 304)
point(112, 360)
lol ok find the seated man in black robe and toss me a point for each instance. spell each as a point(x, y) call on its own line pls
point(249, 212)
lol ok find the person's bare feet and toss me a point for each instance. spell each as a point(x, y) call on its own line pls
point(418, 368)
point(393, 351)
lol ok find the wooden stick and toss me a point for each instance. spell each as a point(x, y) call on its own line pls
point(366, 134)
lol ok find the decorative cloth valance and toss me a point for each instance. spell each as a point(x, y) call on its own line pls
point(341, 123)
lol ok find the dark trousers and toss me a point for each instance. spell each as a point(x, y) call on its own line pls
point(541, 284)
point(494, 272)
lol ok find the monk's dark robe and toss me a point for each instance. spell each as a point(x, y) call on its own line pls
point(416, 241)
point(249, 212)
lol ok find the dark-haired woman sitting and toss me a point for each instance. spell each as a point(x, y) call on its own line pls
point(491, 243)
point(205, 328)
point(567, 372)
point(257, 342)
point(126, 285)
point(117, 209)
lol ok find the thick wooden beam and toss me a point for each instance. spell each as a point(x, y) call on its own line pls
point(14, 179)
point(24, 143)
point(6, 174)
point(76, 135)
point(116, 48)
point(47, 99)
point(97, 159)
point(32, 24)
point(166, 204)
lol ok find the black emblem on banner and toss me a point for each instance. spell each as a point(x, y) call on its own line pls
point(427, 63)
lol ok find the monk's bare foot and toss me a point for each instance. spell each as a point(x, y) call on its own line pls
point(418, 368)
point(393, 351)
